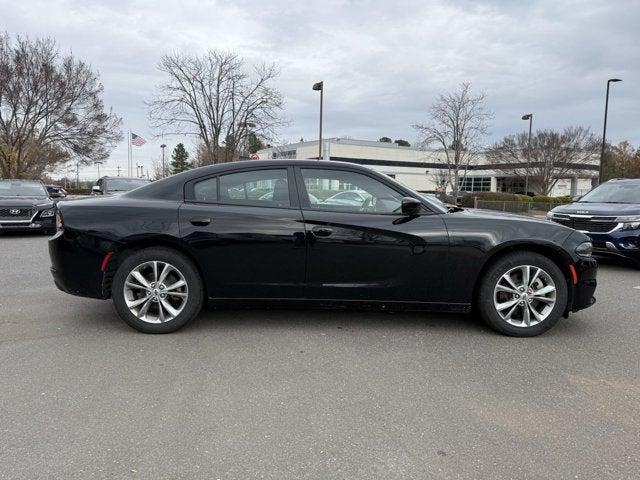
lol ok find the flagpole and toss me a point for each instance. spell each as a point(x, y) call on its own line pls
point(129, 153)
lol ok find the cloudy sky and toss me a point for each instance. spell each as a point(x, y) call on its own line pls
point(383, 62)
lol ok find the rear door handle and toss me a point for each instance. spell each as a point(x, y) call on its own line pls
point(200, 222)
point(321, 231)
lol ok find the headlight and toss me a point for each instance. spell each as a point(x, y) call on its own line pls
point(629, 222)
point(50, 212)
point(585, 249)
point(549, 215)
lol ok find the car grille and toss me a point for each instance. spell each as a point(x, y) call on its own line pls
point(24, 213)
point(592, 225)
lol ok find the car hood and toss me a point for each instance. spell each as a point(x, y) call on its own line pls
point(604, 209)
point(25, 201)
point(493, 214)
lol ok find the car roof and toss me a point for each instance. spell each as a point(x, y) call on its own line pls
point(623, 180)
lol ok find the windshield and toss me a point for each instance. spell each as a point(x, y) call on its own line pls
point(619, 192)
point(17, 188)
point(124, 184)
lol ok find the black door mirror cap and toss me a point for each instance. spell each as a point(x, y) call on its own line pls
point(411, 206)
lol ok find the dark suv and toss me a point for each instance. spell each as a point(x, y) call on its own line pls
point(117, 185)
point(25, 206)
point(610, 215)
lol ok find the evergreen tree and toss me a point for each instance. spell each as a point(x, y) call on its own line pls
point(180, 159)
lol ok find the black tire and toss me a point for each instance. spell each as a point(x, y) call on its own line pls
point(191, 276)
point(485, 299)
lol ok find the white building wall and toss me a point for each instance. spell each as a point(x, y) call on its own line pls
point(419, 177)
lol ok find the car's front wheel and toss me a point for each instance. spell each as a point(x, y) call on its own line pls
point(522, 294)
point(157, 290)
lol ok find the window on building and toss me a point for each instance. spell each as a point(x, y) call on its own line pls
point(475, 184)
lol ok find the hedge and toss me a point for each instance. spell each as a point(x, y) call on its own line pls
point(468, 199)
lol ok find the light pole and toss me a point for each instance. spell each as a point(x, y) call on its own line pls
point(164, 172)
point(528, 116)
point(604, 130)
point(320, 87)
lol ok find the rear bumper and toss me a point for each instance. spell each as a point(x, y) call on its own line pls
point(75, 265)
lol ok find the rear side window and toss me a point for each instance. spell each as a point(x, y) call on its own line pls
point(206, 190)
point(268, 188)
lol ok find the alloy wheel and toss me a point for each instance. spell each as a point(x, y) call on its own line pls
point(156, 292)
point(524, 296)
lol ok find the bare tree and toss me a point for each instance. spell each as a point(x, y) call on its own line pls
point(215, 98)
point(458, 122)
point(553, 155)
point(622, 161)
point(51, 110)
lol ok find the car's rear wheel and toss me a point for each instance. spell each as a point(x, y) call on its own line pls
point(157, 290)
point(522, 294)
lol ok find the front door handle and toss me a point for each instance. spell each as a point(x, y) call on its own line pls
point(321, 231)
point(200, 222)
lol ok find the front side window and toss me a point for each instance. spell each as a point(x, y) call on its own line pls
point(269, 188)
point(325, 189)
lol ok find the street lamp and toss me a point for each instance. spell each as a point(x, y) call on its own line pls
point(320, 87)
point(164, 173)
point(528, 116)
point(604, 130)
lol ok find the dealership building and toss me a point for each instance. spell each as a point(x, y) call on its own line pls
point(421, 169)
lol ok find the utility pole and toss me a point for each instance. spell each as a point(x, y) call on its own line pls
point(98, 163)
point(118, 168)
point(320, 87)
point(604, 131)
point(77, 175)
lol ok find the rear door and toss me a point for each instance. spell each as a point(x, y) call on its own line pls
point(369, 250)
point(245, 228)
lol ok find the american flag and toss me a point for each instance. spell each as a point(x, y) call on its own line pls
point(137, 140)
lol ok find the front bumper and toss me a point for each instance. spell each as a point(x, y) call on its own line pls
point(47, 224)
point(621, 244)
point(587, 271)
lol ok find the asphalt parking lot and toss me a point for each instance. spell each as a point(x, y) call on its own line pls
point(295, 394)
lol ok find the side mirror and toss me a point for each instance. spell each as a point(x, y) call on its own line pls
point(576, 198)
point(411, 206)
point(96, 190)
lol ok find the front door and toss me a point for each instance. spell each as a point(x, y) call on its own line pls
point(361, 246)
point(246, 230)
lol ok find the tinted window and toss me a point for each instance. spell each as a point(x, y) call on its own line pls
point(269, 188)
point(206, 190)
point(349, 192)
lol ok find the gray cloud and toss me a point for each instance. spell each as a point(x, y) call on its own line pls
point(383, 62)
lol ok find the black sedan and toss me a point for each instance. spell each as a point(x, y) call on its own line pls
point(25, 206)
point(213, 234)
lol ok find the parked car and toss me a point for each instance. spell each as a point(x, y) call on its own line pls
point(610, 215)
point(348, 197)
point(117, 185)
point(56, 192)
point(25, 206)
point(163, 250)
